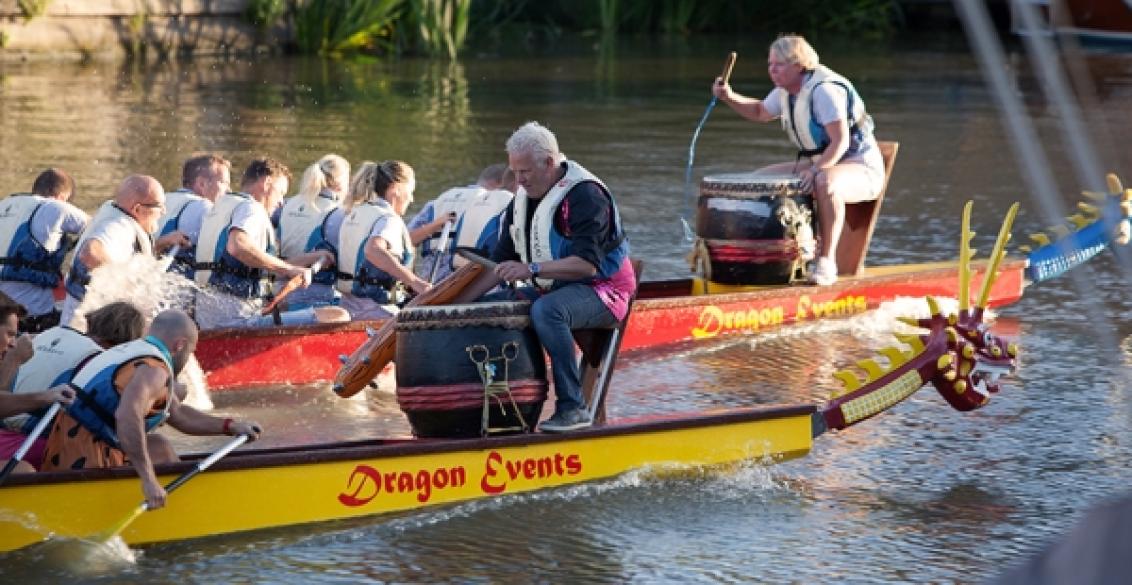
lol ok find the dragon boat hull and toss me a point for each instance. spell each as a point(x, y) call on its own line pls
point(280, 487)
point(666, 312)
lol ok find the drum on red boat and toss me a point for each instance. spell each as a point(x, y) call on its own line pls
point(448, 354)
point(758, 227)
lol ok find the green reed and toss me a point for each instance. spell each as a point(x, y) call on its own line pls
point(336, 27)
point(441, 25)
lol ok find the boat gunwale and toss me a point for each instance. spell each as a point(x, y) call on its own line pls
point(402, 447)
point(919, 270)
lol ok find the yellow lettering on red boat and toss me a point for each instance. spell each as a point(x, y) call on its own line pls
point(713, 320)
point(366, 483)
point(839, 307)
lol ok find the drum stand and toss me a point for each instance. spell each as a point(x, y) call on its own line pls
point(488, 367)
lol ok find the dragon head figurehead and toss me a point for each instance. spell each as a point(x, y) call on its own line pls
point(959, 354)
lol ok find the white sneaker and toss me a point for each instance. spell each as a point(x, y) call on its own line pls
point(824, 272)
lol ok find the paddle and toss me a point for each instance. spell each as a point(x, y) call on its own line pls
point(295, 282)
point(170, 256)
point(176, 483)
point(26, 446)
point(689, 233)
point(444, 234)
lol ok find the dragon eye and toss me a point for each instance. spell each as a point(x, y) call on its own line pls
point(988, 339)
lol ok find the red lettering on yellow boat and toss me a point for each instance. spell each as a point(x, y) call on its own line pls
point(713, 320)
point(498, 472)
point(366, 476)
point(366, 483)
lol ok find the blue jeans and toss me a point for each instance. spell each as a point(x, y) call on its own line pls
point(554, 315)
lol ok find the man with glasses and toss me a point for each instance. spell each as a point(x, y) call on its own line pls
point(121, 229)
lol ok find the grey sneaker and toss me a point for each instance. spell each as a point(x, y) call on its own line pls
point(565, 421)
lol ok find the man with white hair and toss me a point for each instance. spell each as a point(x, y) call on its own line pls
point(562, 233)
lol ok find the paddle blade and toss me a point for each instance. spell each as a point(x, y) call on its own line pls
point(121, 525)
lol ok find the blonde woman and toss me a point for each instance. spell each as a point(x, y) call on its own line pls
point(826, 120)
point(375, 250)
point(301, 224)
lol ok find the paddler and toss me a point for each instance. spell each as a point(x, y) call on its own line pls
point(474, 212)
point(37, 230)
point(826, 120)
point(50, 360)
point(204, 178)
point(375, 249)
point(301, 223)
point(122, 395)
point(237, 253)
point(563, 234)
point(121, 229)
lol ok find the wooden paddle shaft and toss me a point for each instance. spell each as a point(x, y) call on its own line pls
point(728, 66)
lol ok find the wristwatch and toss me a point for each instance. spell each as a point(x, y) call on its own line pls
point(534, 268)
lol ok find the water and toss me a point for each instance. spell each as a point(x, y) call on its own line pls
point(920, 494)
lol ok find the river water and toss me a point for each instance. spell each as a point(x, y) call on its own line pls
point(923, 494)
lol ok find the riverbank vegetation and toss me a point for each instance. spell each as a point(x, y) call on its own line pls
point(441, 28)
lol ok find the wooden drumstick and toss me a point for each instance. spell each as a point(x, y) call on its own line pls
point(728, 66)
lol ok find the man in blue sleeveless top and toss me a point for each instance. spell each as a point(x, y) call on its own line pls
point(562, 233)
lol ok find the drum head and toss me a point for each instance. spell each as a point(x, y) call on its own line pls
point(751, 185)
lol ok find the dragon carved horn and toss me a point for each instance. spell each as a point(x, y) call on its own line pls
point(965, 255)
point(997, 254)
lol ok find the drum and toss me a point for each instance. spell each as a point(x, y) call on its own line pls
point(758, 227)
point(447, 354)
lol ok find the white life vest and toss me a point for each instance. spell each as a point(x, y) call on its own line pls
point(23, 258)
point(96, 397)
point(300, 224)
point(477, 212)
point(357, 275)
point(58, 352)
point(479, 224)
point(215, 266)
point(545, 245)
point(79, 277)
point(175, 204)
point(809, 136)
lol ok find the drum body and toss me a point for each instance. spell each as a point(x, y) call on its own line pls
point(758, 227)
point(439, 387)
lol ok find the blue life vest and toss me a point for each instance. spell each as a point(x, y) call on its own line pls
point(547, 243)
point(97, 398)
point(217, 268)
point(23, 258)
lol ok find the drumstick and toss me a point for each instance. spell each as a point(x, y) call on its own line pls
point(689, 233)
point(288, 288)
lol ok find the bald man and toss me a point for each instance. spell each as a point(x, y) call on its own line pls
point(121, 229)
point(123, 395)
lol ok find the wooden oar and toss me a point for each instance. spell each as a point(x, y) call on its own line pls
point(28, 442)
point(294, 283)
point(444, 237)
point(728, 65)
point(176, 483)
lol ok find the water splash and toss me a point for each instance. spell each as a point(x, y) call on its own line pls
point(58, 558)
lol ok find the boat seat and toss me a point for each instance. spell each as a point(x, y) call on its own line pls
point(599, 356)
point(861, 219)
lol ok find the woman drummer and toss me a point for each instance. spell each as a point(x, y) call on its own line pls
point(375, 251)
point(826, 120)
